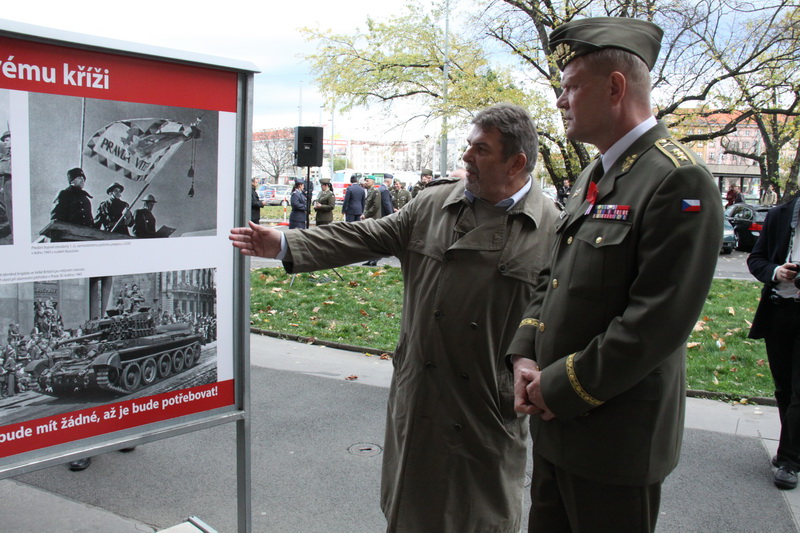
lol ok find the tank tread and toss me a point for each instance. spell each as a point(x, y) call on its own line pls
point(104, 383)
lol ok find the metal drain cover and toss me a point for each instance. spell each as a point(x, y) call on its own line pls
point(365, 449)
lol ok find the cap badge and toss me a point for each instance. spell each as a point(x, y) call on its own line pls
point(563, 53)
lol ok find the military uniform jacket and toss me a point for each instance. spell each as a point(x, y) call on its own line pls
point(144, 224)
point(372, 205)
point(609, 323)
point(109, 213)
point(455, 450)
point(73, 205)
point(325, 211)
point(400, 198)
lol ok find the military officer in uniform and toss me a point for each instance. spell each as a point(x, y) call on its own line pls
point(114, 213)
point(455, 450)
point(73, 204)
point(599, 356)
point(325, 203)
point(144, 222)
point(425, 178)
point(400, 196)
point(372, 207)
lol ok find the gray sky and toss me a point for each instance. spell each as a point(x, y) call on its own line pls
point(263, 33)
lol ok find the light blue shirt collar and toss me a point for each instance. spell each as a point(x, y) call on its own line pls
point(510, 202)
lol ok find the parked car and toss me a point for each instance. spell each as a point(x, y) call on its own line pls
point(278, 194)
point(728, 237)
point(747, 221)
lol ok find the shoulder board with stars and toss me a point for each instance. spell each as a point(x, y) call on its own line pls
point(675, 152)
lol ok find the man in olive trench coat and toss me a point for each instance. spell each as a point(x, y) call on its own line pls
point(455, 448)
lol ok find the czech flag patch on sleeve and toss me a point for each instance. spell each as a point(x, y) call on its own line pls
point(690, 205)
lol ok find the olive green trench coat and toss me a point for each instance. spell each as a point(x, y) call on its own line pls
point(455, 449)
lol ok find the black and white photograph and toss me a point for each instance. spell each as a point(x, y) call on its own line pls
point(70, 344)
point(110, 170)
point(6, 204)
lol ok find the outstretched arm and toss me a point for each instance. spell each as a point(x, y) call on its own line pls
point(256, 240)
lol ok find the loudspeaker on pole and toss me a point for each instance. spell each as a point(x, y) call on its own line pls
point(308, 146)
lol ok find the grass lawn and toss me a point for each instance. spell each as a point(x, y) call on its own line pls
point(364, 310)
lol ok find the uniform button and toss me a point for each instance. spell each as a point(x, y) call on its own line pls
point(429, 365)
point(541, 326)
point(438, 314)
point(465, 376)
point(569, 240)
point(473, 325)
point(457, 427)
point(555, 283)
point(598, 240)
point(503, 269)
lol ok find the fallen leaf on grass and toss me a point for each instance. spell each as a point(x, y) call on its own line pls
point(693, 344)
point(731, 311)
point(363, 313)
point(328, 302)
point(699, 326)
point(295, 325)
point(315, 310)
point(760, 362)
point(277, 289)
point(353, 284)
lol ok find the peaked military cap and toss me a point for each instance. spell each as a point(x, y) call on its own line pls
point(325, 181)
point(584, 36)
point(426, 172)
point(113, 186)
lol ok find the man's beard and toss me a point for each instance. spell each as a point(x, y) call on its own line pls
point(472, 180)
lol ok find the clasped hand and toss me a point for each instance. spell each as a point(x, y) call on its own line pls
point(528, 397)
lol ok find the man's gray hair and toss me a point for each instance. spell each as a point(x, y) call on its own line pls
point(517, 130)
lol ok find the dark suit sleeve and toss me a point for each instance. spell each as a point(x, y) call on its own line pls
point(760, 262)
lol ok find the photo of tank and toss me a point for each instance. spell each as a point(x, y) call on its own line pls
point(82, 341)
point(119, 354)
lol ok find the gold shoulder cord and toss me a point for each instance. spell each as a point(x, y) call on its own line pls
point(576, 385)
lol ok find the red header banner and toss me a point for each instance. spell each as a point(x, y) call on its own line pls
point(43, 68)
point(50, 431)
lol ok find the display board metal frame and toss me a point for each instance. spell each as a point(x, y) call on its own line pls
point(93, 280)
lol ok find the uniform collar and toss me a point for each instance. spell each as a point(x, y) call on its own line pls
point(619, 147)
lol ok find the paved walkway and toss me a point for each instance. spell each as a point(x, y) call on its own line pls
point(310, 426)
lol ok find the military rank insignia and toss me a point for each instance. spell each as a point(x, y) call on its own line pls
point(611, 212)
point(629, 161)
point(690, 205)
